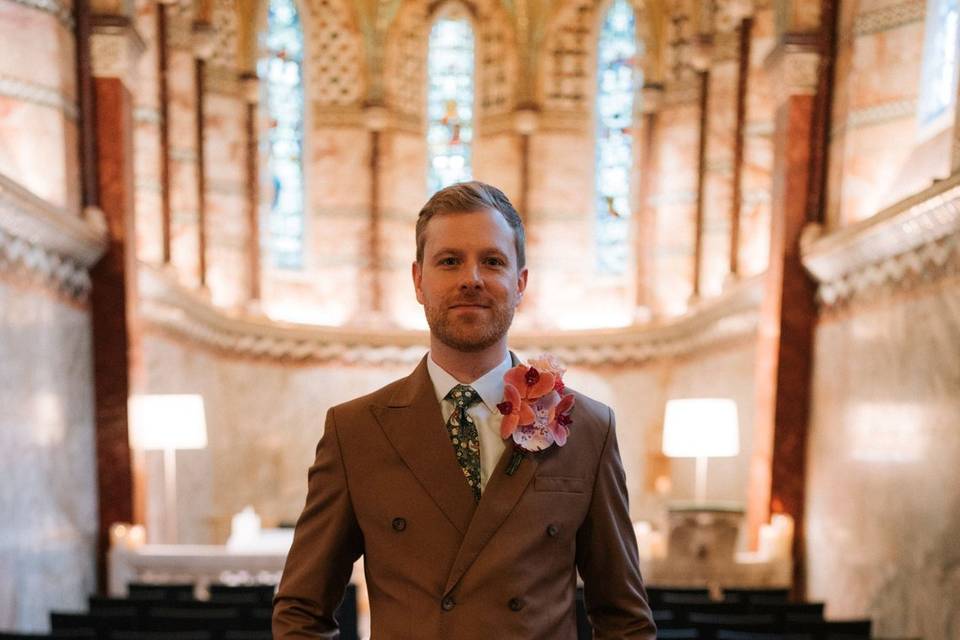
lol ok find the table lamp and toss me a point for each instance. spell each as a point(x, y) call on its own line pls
point(701, 428)
point(168, 423)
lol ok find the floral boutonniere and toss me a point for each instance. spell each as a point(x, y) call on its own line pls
point(535, 409)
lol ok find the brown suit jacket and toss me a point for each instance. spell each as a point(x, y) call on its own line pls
point(386, 484)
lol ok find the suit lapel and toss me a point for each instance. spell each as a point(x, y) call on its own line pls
point(413, 423)
point(499, 498)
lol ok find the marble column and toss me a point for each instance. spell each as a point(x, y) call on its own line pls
point(115, 46)
point(370, 303)
point(251, 95)
point(646, 220)
point(788, 311)
point(744, 32)
point(182, 151)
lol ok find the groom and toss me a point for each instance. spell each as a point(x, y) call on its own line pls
point(413, 476)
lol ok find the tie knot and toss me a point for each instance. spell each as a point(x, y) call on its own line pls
point(463, 395)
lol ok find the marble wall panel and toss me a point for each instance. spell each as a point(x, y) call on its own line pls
point(48, 499)
point(184, 204)
point(757, 179)
point(148, 205)
point(878, 155)
point(674, 199)
point(227, 210)
point(718, 181)
point(38, 139)
point(497, 161)
point(883, 493)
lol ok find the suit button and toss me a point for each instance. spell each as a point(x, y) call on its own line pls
point(552, 531)
point(515, 604)
point(448, 603)
point(399, 524)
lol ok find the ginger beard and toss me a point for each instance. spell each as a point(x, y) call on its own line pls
point(470, 331)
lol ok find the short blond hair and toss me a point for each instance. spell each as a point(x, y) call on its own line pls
point(465, 197)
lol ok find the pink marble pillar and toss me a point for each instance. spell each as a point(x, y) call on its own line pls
point(788, 312)
point(115, 46)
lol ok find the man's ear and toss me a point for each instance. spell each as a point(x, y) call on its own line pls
point(522, 281)
point(417, 273)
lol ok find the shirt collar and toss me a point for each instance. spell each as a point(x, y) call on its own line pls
point(489, 385)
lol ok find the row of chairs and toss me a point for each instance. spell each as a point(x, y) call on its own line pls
point(170, 612)
point(746, 614)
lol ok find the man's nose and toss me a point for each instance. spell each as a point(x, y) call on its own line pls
point(471, 276)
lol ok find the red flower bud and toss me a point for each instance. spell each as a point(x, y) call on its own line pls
point(532, 376)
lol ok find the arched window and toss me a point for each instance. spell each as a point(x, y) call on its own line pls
point(616, 82)
point(938, 90)
point(281, 73)
point(450, 95)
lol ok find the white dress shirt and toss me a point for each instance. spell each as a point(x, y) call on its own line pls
point(485, 414)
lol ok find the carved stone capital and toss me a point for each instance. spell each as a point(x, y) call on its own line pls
point(115, 47)
point(651, 97)
point(250, 86)
point(795, 67)
point(730, 13)
point(376, 117)
point(204, 40)
point(526, 120)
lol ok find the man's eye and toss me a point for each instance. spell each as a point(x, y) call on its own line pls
point(447, 262)
point(497, 262)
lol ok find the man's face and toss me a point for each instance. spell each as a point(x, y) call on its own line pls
point(469, 283)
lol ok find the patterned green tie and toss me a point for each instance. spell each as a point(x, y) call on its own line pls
point(464, 436)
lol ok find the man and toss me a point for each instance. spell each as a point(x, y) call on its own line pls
point(413, 476)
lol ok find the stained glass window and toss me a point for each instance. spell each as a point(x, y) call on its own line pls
point(616, 82)
point(939, 85)
point(281, 72)
point(450, 98)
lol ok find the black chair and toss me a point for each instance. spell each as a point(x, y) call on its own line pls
point(160, 592)
point(77, 634)
point(727, 634)
point(792, 611)
point(756, 595)
point(160, 635)
point(708, 624)
point(584, 629)
point(243, 594)
point(655, 594)
point(680, 633)
point(99, 623)
point(213, 619)
point(834, 629)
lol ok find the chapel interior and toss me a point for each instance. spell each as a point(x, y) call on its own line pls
point(210, 204)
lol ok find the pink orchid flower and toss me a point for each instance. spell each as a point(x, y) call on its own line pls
point(515, 411)
point(560, 425)
point(529, 382)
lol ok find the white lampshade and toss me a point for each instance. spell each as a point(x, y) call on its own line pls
point(167, 422)
point(701, 428)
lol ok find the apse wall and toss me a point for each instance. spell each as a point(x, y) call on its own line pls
point(267, 387)
point(883, 491)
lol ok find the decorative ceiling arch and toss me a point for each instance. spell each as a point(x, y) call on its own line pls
point(334, 65)
point(405, 58)
point(569, 52)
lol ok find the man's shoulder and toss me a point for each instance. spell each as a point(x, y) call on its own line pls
point(592, 419)
point(379, 398)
